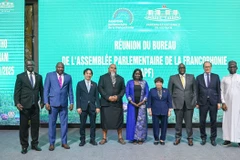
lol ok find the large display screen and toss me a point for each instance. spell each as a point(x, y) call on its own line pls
point(11, 56)
point(151, 35)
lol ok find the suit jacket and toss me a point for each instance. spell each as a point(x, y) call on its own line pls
point(54, 94)
point(157, 105)
point(83, 98)
point(106, 89)
point(25, 94)
point(213, 91)
point(181, 95)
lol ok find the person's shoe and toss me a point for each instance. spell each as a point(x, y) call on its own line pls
point(66, 146)
point(82, 143)
point(93, 142)
point(226, 143)
point(140, 142)
point(213, 142)
point(177, 141)
point(162, 142)
point(103, 141)
point(36, 148)
point(24, 150)
point(135, 142)
point(51, 147)
point(203, 142)
point(121, 141)
point(155, 142)
point(190, 142)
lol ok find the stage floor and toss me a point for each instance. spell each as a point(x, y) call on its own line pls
point(10, 148)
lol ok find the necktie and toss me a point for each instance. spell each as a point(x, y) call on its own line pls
point(60, 80)
point(88, 86)
point(208, 80)
point(183, 81)
point(31, 79)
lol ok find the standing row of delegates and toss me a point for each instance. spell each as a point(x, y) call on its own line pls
point(58, 88)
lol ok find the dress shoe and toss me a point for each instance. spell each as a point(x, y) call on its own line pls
point(177, 141)
point(82, 143)
point(190, 142)
point(103, 141)
point(226, 143)
point(51, 147)
point(24, 150)
point(162, 142)
point(155, 142)
point(36, 148)
point(213, 142)
point(203, 142)
point(66, 146)
point(93, 142)
point(135, 142)
point(121, 141)
point(140, 142)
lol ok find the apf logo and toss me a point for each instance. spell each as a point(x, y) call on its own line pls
point(122, 18)
point(163, 14)
point(123, 14)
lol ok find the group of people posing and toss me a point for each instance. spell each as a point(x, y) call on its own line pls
point(184, 93)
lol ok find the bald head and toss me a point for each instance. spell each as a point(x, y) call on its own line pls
point(112, 68)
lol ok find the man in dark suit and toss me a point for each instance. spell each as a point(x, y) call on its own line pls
point(111, 87)
point(28, 91)
point(87, 99)
point(57, 90)
point(208, 99)
point(182, 88)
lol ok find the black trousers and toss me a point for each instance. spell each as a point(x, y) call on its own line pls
point(31, 114)
point(203, 110)
point(186, 115)
point(83, 119)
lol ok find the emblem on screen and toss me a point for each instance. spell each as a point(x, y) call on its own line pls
point(163, 14)
point(122, 18)
point(6, 6)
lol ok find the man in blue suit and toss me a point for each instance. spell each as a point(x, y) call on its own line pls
point(159, 107)
point(208, 99)
point(87, 99)
point(57, 90)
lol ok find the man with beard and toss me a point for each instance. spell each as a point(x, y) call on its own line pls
point(111, 87)
point(230, 92)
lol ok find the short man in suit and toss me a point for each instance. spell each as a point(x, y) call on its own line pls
point(159, 107)
point(57, 90)
point(87, 99)
point(208, 99)
point(28, 91)
point(111, 87)
point(182, 88)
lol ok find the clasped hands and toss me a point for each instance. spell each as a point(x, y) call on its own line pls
point(113, 98)
point(137, 105)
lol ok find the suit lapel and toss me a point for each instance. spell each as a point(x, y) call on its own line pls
point(84, 86)
point(203, 80)
point(36, 79)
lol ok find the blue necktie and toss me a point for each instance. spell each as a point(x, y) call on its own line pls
point(31, 79)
